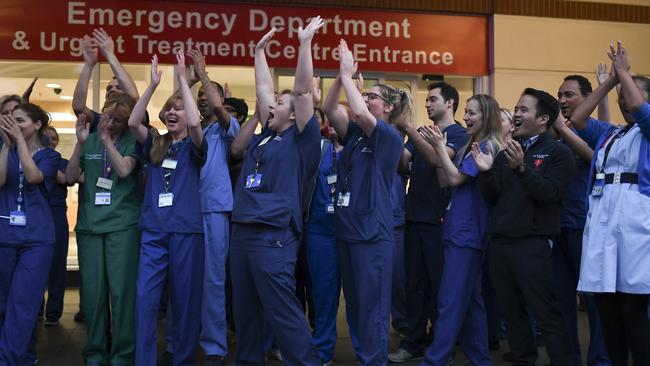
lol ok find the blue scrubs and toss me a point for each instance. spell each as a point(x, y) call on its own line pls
point(172, 247)
point(267, 220)
point(398, 292)
point(320, 241)
point(56, 280)
point(25, 253)
point(364, 232)
point(567, 250)
point(461, 313)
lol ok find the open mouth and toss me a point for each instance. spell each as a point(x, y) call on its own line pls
point(203, 104)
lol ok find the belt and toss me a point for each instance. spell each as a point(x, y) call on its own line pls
point(620, 178)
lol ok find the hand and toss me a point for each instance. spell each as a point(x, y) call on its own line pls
point(306, 35)
point(433, 136)
point(199, 62)
point(559, 123)
point(483, 161)
point(10, 127)
point(28, 91)
point(347, 66)
point(514, 154)
point(104, 41)
point(3, 135)
point(316, 92)
point(620, 63)
point(155, 73)
point(261, 44)
point(180, 65)
point(191, 76)
point(404, 122)
point(601, 73)
point(89, 51)
point(82, 128)
point(102, 130)
point(226, 91)
point(359, 82)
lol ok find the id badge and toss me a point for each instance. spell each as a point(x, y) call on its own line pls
point(17, 218)
point(102, 198)
point(104, 183)
point(331, 179)
point(165, 199)
point(169, 164)
point(330, 208)
point(253, 180)
point(344, 200)
point(597, 190)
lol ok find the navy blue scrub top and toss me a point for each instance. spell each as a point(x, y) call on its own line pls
point(398, 196)
point(426, 201)
point(320, 221)
point(287, 163)
point(368, 165)
point(36, 207)
point(60, 191)
point(465, 222)
point(184, 216)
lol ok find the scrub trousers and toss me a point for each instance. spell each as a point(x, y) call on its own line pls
point(178, 259)
point(522, 274)
point(262, 263)
point(567, 251)
point(423, 262)
point(398, 292)
point(366, 271)
point(326, 288)
point(461, 313)
point(109, 266)
point(23, 277)
point(56, 279)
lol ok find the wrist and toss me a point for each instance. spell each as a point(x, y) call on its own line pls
point(521, 168)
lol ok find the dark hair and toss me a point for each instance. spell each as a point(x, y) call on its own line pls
point(447, 91)
point(583, 84)
point(36, 113)
point(546, 104)
point(11, 98)
point(219, 88)
point(240, 107)
point(645, 81)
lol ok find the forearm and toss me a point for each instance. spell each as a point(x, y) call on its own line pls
point(578, 145)
point(633, 97)
point(331, 108)
point(73, 171)
point(214, 101)
point(32, 174)
point(138, 113)
point(243, 138)
point(263, 85)
point(192, 114)
point(123, 165)
point(60, 177)
point(451, 176)
point(603, 109)
point(360, 113)
point(81, 89)
point(422, 146)
point(4, 156)
point(583, 110)
point(124, 80)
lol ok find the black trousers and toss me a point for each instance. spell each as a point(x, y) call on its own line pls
point(522, 275)
point(423, 260)
point(626, 326)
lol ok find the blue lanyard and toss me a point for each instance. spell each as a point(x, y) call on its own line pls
point(21, 186)
point(172, 152)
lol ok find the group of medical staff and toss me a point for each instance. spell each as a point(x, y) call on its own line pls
point(159, 220)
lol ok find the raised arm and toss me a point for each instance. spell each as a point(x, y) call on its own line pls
point(245, 135)
point(107, 46)
point(303, 82)
point(336, 117)
point(263, 79)
point(620, 63)
point(360, 113)
point(123, 165)
point(191, 110)
point(215, 101)
point(603, 106)
point(81, 89)
point(578, 145)
point(73, 171)
point(137, 115)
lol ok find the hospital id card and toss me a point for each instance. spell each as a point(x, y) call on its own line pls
point(17, 218)
point(169, 164)
point(330, 208)
point(102, 198)
point(104, 183)
point(344, 199)
point(165, 199)
point(599, 185)
point(331, 179)
point(253, 180)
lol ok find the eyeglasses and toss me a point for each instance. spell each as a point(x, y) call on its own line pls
point(373, 96)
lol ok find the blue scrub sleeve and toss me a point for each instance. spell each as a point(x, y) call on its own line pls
point(410, 147)
point(456, 137)
point(595, 129)
point(385, 141)
point(642, 118)
point(47, 161)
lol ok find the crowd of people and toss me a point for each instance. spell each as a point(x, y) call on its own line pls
point(508, 217)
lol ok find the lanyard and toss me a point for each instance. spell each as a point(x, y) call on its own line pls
point(172, 153)
point(21, 186)
point(348, 163)
point(258, 151)
point(610, 143)
point(107, 160)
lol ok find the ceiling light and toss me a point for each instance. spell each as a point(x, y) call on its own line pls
point(66, 97)
point(53, 85)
